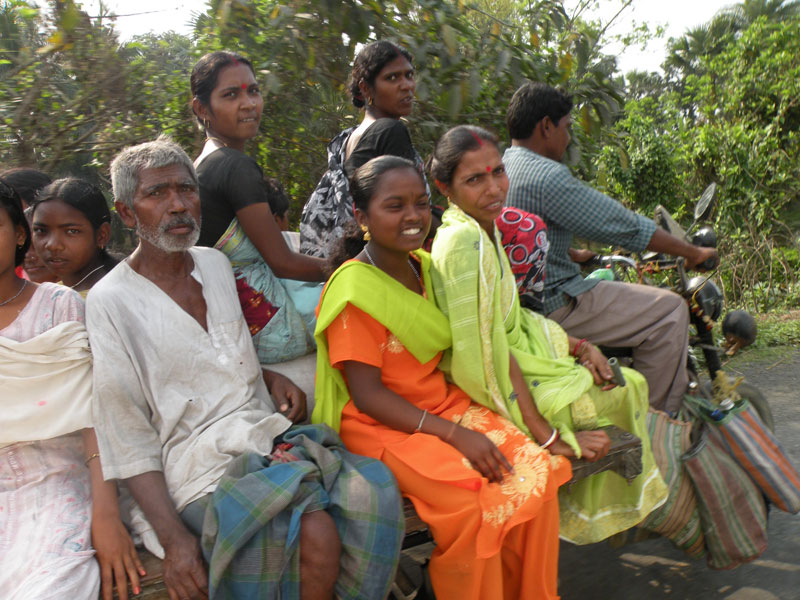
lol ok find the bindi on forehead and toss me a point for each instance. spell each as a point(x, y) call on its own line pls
point(488, 169)
point(244, 86)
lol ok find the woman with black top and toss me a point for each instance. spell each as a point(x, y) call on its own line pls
point(382, 83)
point(237, 218)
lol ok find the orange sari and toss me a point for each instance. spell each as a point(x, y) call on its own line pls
point(492, 540)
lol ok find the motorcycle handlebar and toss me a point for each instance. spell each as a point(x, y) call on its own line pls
point(656, 264)
point(610, 259)
point(708, 264)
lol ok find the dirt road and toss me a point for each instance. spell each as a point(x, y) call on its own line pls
point(655, 569)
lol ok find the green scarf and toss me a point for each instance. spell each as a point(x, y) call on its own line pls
point(474, 287)
point(414, 320)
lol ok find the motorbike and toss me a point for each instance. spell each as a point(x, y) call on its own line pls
point(705, 302)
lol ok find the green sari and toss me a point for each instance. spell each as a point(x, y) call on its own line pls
point(474, 286)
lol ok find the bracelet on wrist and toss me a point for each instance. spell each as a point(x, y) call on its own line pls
point(576, 349)
point(421, 421)
point(553, 439)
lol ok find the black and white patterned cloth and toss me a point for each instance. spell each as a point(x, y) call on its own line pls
point(330, 207)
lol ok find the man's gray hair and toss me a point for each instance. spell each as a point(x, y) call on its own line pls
point(129, 163)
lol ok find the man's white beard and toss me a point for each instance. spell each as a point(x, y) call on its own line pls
point(168, 242)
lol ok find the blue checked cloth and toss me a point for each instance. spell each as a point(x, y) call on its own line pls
point(251, 531)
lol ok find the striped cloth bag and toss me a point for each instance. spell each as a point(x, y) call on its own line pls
point(678, 518)
point(732, 510)
point(758, 452)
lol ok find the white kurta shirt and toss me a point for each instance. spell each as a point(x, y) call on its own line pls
point(168, 395)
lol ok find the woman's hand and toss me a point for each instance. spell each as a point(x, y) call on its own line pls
point(594, 445)
point(597, 363)
point(117, 557)
point(561, 448)
point(482, 454)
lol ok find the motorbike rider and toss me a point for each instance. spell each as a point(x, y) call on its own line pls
point(652, 321)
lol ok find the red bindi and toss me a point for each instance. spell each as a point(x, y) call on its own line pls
point(244, 86)
point(488, 169)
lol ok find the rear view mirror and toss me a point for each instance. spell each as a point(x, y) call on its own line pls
point(705, 205)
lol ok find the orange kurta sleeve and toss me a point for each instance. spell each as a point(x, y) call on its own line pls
point(354, 335)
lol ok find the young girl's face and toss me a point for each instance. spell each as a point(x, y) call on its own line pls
point(64, 239)
point(11, 236)
point(399, 214)
point(479, 185)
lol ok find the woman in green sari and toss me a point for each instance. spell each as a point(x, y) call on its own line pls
point(497, 344)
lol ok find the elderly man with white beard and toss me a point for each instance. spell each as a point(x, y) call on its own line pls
point(186, 416)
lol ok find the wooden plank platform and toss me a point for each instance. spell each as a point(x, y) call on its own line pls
point(624, 457)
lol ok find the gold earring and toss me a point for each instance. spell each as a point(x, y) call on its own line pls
point(367, 236)
point(372, 101)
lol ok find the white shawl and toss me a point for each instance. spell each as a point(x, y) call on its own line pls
point(45, 384)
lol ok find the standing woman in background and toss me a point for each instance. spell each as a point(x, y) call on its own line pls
point(382, 83)
point(237, 219)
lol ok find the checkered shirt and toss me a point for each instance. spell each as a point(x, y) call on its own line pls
point(570, 208)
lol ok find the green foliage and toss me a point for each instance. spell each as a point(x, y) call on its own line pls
point(741, 132)
point(778, 330)
point(725, 111)
point(686, 54)
point(75, 96)
point(63, 81)
point(747, 140)
point(643, 172)
point(469, 57)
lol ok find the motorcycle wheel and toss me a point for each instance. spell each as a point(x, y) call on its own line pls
point(751, 393)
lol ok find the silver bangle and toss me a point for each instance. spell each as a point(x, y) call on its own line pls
point(553, 437)
point(419, 427)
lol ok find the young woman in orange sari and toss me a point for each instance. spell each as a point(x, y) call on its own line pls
point(487, 491)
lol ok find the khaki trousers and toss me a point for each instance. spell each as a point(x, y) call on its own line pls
point(652, 321)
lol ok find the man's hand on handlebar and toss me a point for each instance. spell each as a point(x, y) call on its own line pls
point(703, 259)
point(581, 255)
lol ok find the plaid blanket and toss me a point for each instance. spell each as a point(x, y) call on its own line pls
point(251, 531)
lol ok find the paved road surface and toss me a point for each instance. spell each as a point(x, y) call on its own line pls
point(655, 569)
